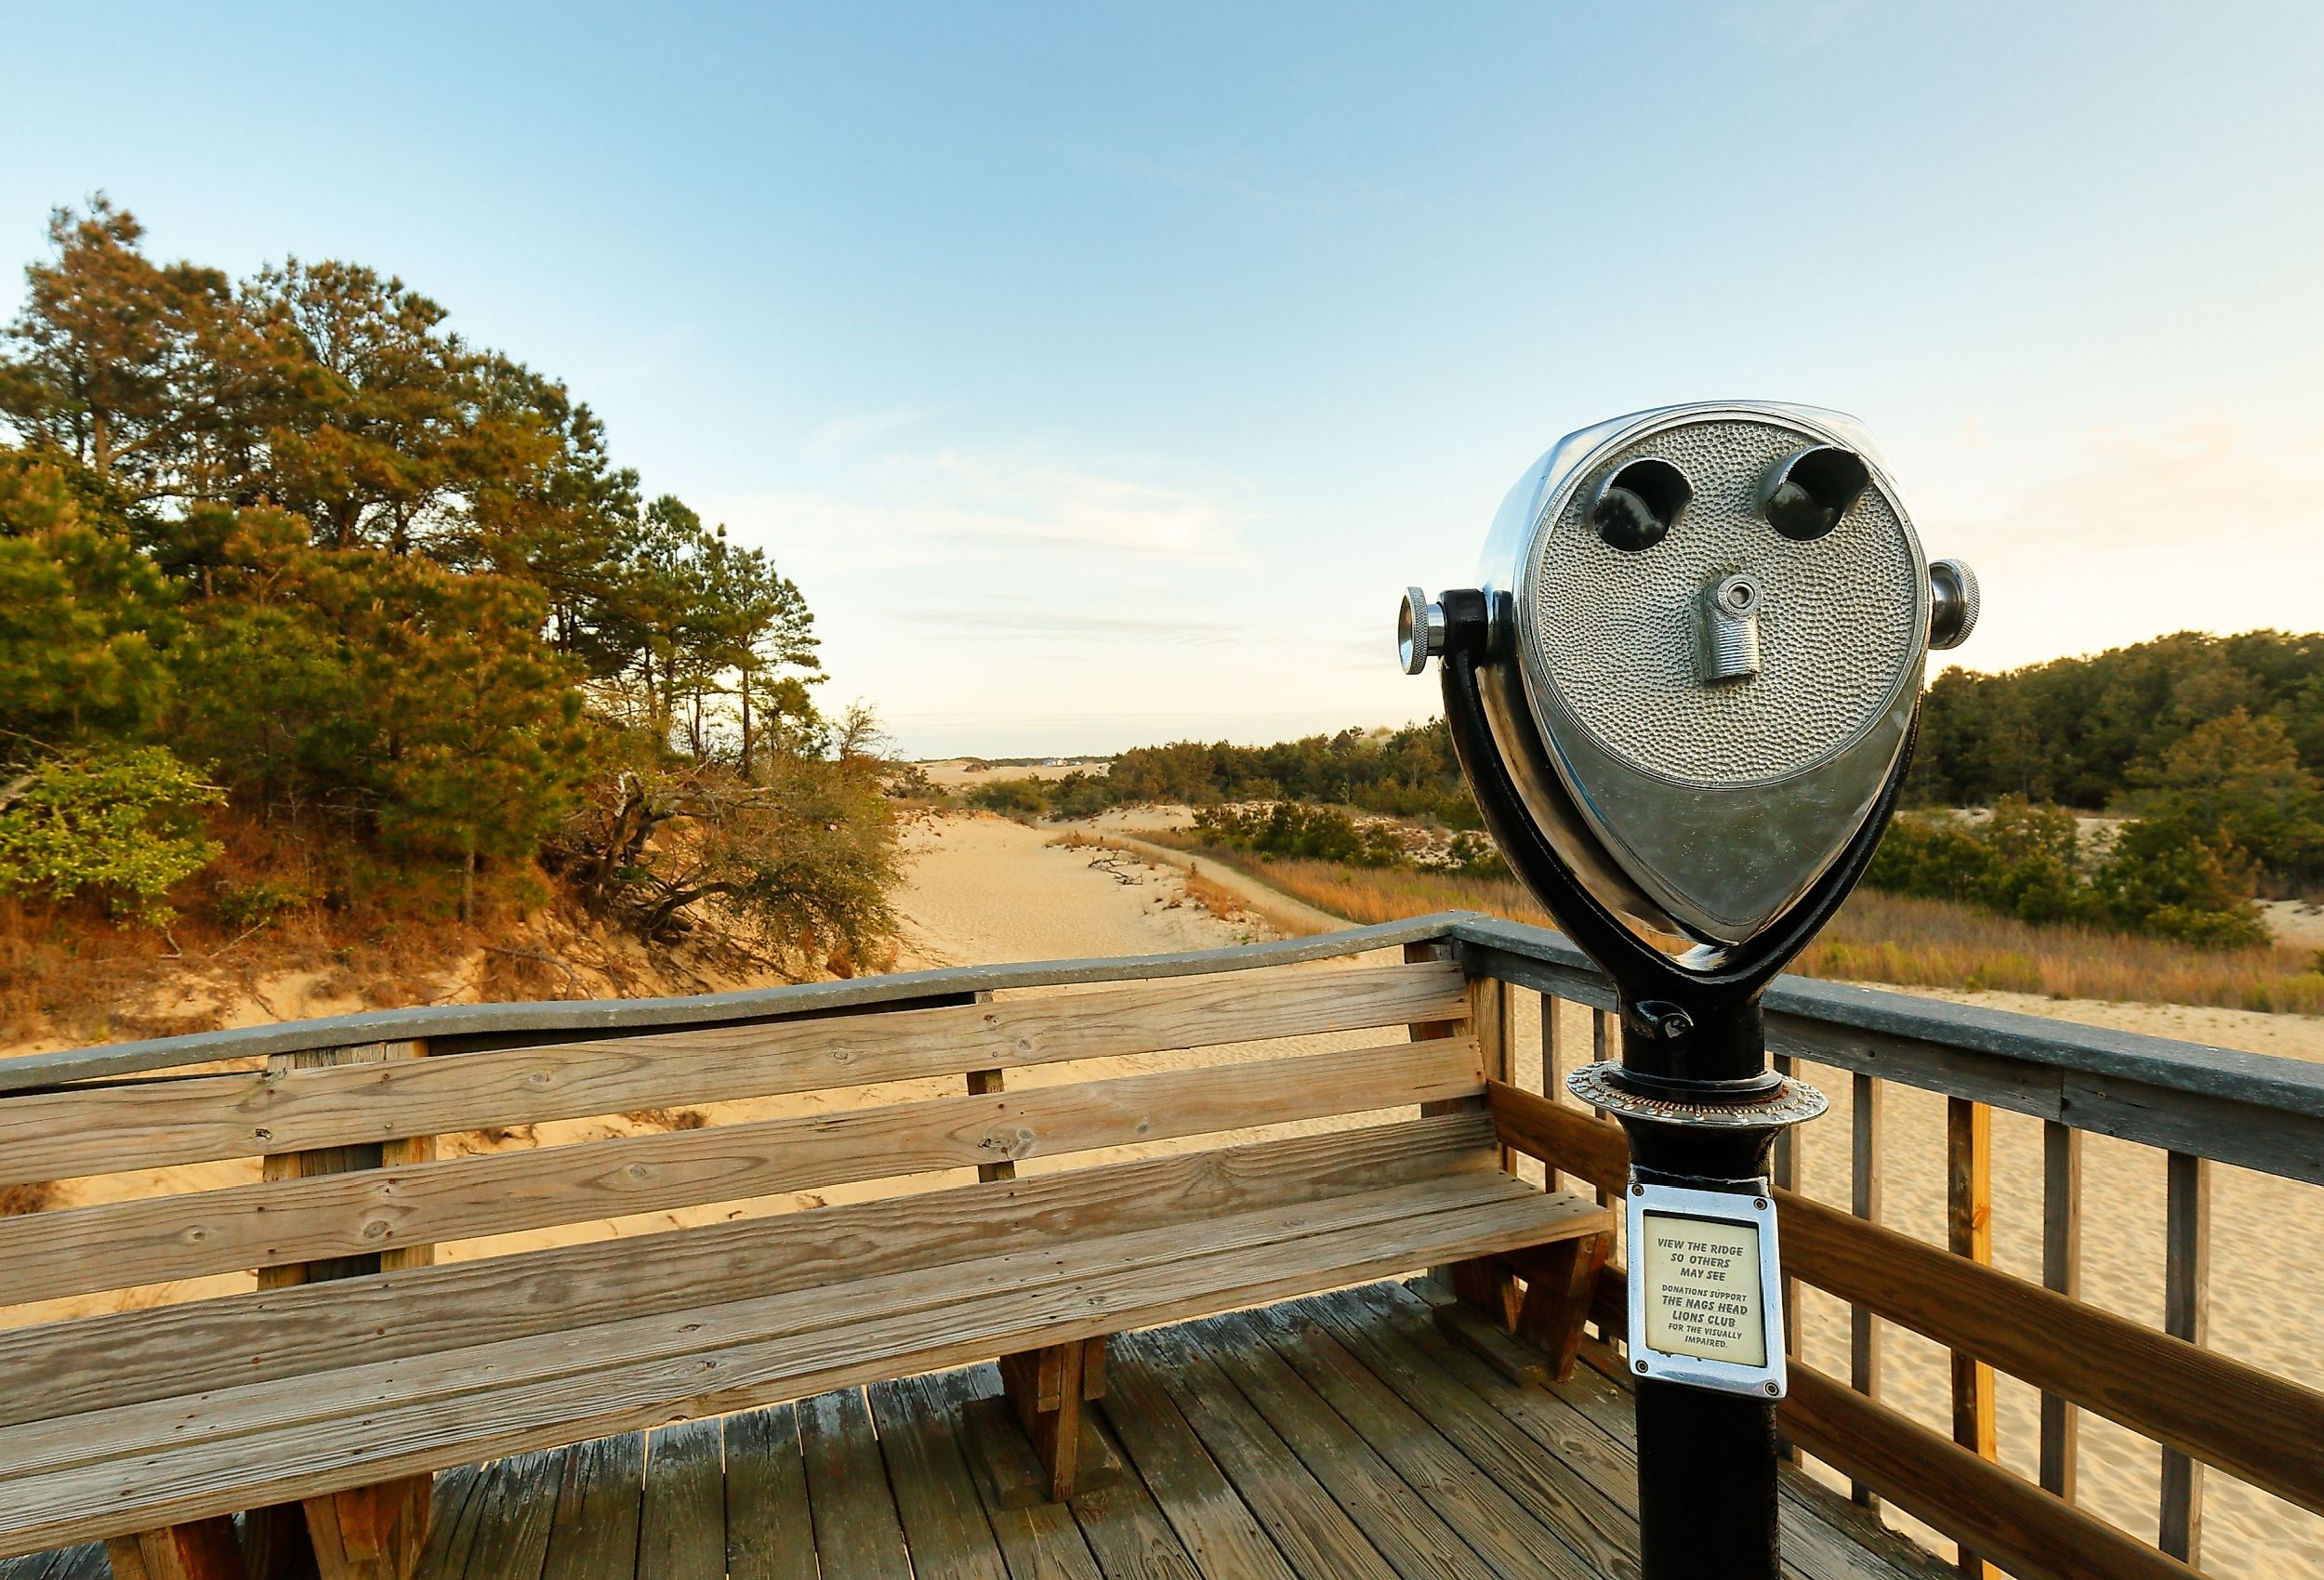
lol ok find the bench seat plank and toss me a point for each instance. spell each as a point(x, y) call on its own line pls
point(181, 1422)
point(102, 1362)
point(236, 1447)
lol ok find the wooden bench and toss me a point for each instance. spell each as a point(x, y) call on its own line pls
point(328, 1395)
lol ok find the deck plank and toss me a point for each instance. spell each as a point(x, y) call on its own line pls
point(1500, 1527)
point(1125, 1529)
point(1604, 1534)
point(1587, 1423)
point(453, 1507)
point(936, 1496)
point(1309, 1528)
point(681, 1529)
point(1218, 1530)
point(769, 1528)
point(1397, 1521)
point(87, 1562)
point(594, 1535)
point(512, 1522)
point(1037, 1543)
point(858, 1534)
point(1336, 1435)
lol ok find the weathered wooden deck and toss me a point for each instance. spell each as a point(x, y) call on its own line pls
point(1330, 1438)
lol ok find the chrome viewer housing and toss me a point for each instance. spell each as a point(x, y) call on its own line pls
point(1718, 617)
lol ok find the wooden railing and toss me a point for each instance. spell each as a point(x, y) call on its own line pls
point(2196, 1105)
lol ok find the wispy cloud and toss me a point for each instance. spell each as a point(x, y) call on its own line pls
point(1028, 618)
point(926, 508)
point(2205, 478)
point(846, 435)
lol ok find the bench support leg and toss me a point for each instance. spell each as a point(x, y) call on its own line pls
point(204, 1549)
point(1047, 1388)
point(1484, 1286)
point(372, 1533)
point(1534, 1340)
point(1560, 1280)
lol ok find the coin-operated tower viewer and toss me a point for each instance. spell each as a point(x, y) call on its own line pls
point(1684, 692)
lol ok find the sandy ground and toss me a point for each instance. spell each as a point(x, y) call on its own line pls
point(981, 889)
point(984, 889)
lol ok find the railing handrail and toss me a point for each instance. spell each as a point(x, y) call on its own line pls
point(2258, 1111)
point(2101, 1051)
point(477, 1025)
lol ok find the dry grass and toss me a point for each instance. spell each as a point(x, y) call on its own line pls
point(668, 1118)
point(32, 1197)
point(1882, 938)
point(1891, 938)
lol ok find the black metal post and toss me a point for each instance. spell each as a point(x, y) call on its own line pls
point(1706, 1460)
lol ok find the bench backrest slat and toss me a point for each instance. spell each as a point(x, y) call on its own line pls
point(73, 1133)
point(122, 1245)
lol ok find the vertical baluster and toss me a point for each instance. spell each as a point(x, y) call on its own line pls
point(1555, 1061)
point(1864, 1200)
point(1598, 1030)
point(2061, 1270)
point(990, 1083)
point(1969, 1230)
point(2185, 1314)
point(1786, 1166)
point(370, 1533)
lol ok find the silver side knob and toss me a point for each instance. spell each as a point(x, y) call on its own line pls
point(1953, 603)
point(1419, 631)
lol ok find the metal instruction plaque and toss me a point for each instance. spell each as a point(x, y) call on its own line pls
point(1704, 1305)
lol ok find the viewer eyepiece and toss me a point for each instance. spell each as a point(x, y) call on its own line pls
point(1638, 505)
point(1807, 493)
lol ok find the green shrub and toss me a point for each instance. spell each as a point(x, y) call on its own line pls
point(255, 905)
point(1079, 796)
point(120, 825)
point(1010, 798)
point(2163, 877)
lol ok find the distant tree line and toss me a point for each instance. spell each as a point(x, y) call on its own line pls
point(292, 546)
point(1409, 772)
point(2088, 732)
point(2208, 748)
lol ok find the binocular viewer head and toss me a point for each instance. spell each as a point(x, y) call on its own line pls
point(1697, 643)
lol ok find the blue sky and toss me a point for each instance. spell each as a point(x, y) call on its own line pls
point(1102, 373)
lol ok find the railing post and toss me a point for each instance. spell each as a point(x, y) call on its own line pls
point(1046, 1387)
point(1969, 1231)
point(372, 1533)
point(982, 1083)
point(1783, 1168)
point(1864, 1200)
point(2185, 1314)
point(2061, 1270)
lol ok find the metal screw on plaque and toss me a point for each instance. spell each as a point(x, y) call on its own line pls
point(1683, 691)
